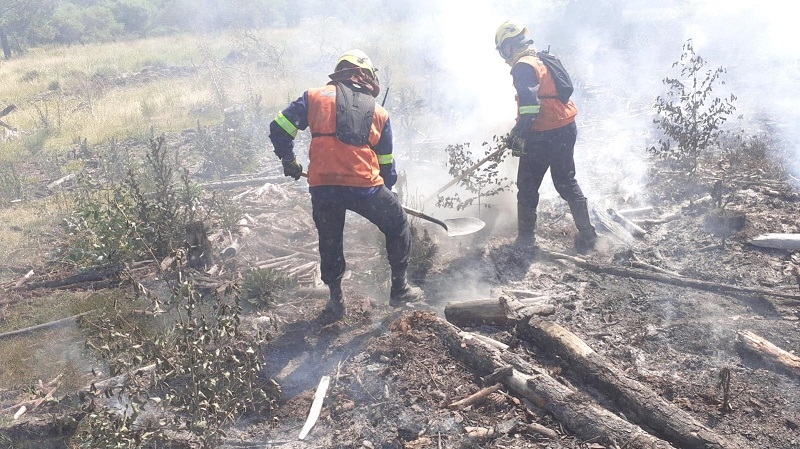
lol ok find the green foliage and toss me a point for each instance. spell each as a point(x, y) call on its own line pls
point(423, 254)
point(263, 286)
point(206, 376)
point(11, 183)
point(689, 115)
point(226, 151)
point(483, 182)
point(143, 216)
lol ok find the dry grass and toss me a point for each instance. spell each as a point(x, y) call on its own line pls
point(48, 353)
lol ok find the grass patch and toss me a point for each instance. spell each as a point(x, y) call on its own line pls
point(48, 353)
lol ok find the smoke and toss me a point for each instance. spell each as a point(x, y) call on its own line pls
point(449, 86)
point(617, 52)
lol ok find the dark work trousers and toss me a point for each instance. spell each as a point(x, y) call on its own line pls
point(553, 149)
point(382, 208)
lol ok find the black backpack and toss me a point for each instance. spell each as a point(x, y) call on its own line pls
point(559, 74)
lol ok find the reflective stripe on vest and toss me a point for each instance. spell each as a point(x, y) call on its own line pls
point(552, 112)
point(333, 162)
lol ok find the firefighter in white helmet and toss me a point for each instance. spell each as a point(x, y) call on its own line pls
point(544, 135)
point(351, 167)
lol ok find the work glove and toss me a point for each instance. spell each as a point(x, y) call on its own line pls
point(516, 141)
point(291, 168)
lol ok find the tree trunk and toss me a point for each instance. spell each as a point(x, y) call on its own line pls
point(4, 44)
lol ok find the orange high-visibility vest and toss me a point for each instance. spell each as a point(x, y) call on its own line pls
point(552, 113)
point(331, 161)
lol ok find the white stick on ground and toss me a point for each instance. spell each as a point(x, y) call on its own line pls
point(316, 406)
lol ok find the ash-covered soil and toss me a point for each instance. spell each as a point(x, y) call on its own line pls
point(392, 380)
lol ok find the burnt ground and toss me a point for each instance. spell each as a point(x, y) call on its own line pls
point(392, 379)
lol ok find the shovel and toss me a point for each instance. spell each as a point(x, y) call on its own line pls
point(453, 226)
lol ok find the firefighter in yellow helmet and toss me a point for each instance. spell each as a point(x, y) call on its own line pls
point(351, 167)
point(544, 135)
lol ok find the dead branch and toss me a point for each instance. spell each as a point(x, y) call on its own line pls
point(639, 403)
point(284, 251)
point(232, 184)
point(316, 406)
point(668, 279)
point(632, 227)
point(94, 276)
point(50, 325)
point(540, 430)
point(23, 280)
point(770, 352)
point(7, 110)
point(475, 398)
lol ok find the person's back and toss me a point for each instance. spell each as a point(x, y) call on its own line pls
point(351, 167)
point(543, 137)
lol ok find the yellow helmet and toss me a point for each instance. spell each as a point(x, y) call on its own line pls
point(359, 59)
point(509, 32)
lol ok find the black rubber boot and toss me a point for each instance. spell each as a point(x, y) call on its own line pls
point(587, 236)
point(334, 308)
point(526, 227)
point(402, 292)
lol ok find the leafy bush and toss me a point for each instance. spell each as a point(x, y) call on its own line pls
point(206, 375)
point(689, 115)
point(264, 286)
point(483, 182)
point(423, 254)
point(143, 216)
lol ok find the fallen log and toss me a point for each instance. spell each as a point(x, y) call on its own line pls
point(493, 312)
point(789, 242)
point(639, 403)
point(667, 278)
point(38, 327)
point(632, 227)
point(771, 353)
point(576, 412)
point(94, 276)
point(602, 218)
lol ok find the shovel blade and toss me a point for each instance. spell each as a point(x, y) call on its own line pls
point(463, 226)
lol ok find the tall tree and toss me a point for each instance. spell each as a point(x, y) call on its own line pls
point(17, 17)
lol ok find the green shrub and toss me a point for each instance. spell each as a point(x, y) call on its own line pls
point(143, 216)
point(689, 115)
point(483, 182)
point(207, 374)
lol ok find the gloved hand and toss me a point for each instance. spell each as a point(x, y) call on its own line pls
point(516, 141)
point(291, 168)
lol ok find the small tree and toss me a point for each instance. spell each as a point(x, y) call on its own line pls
point(483, 182)
point(688, 115)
